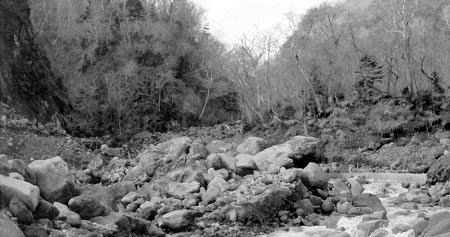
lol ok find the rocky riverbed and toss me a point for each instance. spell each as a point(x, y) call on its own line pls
point(187, 187)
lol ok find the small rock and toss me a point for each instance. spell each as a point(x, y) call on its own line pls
point(130, 197)
point(402, 227)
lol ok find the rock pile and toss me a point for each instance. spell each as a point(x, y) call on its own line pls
point(176, 186)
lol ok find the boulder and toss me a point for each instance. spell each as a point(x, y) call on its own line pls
point(340, 188)
point(228, 161)
point(365, 229)
point(67, 215)
point(315, 177)
point(148, 210)
point(214, 161)
point(355, 187)
point(45, 210)
point(52, 179)
point(245, 164)
point(178, 220)
point(20, 211)
point(26, 192)
point(299, 150)
point(9, 228)
point(415, 195)
point(439, 170)
point(440, 227)
point(368, 200)
point(130, 197)
point(181, 190)
point(127, 225)
point(87, 207)
point(250, 146)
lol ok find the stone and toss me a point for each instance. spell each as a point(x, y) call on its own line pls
point(45, 210)
point(228, 161)
point(245, 164)
point(251, 146)
point(19, 210)
point(9, 229)
point(327, 207)
point(214, 161)
point(415, 195)
point(300, 150)
point(15, 175)
point(26, 192)
point(367, 228)
point(67, 215)
point(380, 233)
point(87, 207)
point(355, 187)
point(439, 170)
point(379, 215)
point(409, 206)
point(343, 207)
point(130, 197)
point(197, 151)
point(440, 227)
point(315, 177)
point(401, 227)
point(51, 176)
point(177, 220)
point(181, 190)
point(341, 188)
point(127, 224)
point(305, 205)
point(148, 210)
point(368, 200)
point(357, 211)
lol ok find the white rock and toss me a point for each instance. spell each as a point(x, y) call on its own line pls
point(26, 192)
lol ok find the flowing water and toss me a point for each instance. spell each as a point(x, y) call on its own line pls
point(395, 214)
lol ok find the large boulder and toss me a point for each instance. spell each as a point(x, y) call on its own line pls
point(368, 200)
point(298, 151)
point(26, 192)
point(178, 220)
point(315, 176)
point(87, 207)
point(439, 170)
point(52, 179)
point(9, 228)
point(245, 164)
point(152, 158)
point(251, 146)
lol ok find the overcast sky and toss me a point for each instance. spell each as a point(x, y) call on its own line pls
point(229, 19)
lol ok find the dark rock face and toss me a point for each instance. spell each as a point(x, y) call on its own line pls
point(26, 80)
point(440, 170)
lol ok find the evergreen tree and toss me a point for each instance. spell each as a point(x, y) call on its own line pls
point(368, 74)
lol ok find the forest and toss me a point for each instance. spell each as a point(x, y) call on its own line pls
point(129, 66)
